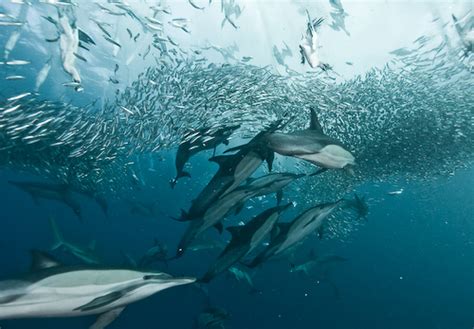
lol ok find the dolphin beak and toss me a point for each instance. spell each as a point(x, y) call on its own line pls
point(182, 280)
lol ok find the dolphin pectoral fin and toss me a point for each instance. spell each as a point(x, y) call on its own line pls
point(219, 227)
point(107, 318)
point(269, 159)
point(279, 197)
point(102, 301)
point(317, 172)
point(314, 121)
point(236, 148)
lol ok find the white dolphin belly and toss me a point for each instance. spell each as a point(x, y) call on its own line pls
point(330, 156)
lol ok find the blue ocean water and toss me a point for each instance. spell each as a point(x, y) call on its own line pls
point(408, 261)
point(408, 267)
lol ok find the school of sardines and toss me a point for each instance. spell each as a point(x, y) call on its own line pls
point(411, 119)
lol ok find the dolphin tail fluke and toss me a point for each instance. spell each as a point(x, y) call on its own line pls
point(178, 176)
point(58, 237)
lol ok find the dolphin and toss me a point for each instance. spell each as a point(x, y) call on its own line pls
point(87, 255)
point(231, 201)
point(196, 141)
point(49, 191)
point(273, 183)
point(312, 145)
point(157, 253)
point(289, 234)
point(315, 261)
point(233, 170)
point(206, 243)
point(54, 290)
point(359, 205)
point(211, 318)
point(213, 217)
point(240, 275)
point(244, 240)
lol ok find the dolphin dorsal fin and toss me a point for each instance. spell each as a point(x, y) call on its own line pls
point(314, 122)
point(41, 260)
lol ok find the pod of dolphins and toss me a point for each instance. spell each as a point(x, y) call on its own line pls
point(53, 289)
point(414, 122)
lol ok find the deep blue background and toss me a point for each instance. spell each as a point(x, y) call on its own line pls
point(410, 265)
